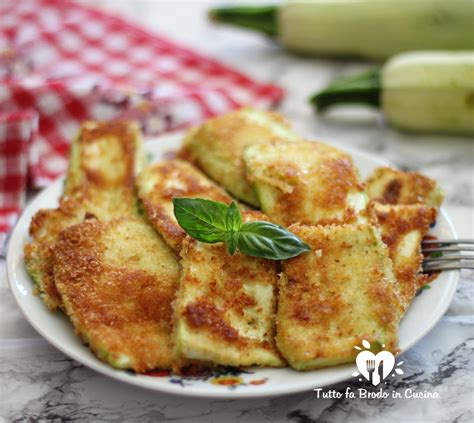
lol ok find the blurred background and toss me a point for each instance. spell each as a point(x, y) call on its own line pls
point(263, 60)
point(186, 22)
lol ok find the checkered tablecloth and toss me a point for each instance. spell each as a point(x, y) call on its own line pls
point(65, 63)
point(17, 132)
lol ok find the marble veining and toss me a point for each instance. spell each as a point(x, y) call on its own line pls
point(40, 383)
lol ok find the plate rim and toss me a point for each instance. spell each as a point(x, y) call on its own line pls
point(198, 392)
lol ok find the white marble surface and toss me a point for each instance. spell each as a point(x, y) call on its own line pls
point(38, 383)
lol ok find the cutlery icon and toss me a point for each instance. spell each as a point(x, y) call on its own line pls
point(370, 365)
point(376, 367)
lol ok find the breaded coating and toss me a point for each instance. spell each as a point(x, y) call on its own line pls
point(225, 308)
point(403, 228)
point(159, 183)
point(306, 182)
point(45, 228)
point(216, 147)
point(331, 298)
point(104, 159)
point(118, 281)
point(104, 156)
point(391, 186)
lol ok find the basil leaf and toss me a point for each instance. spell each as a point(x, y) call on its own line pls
point(234, 217)
point(210, 222)
point(233, 224)
point(231, 242)
point(204, 220)
point(270, 241)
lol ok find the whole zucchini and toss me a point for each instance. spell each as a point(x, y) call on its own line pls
point(418, 91)
point(374, 29)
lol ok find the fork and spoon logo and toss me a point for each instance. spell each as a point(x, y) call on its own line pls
point(376, 367)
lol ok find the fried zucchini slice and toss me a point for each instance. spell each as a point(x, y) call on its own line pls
point(225, 308)
point(403, 228)
point(118, 280)
point(45, 228)
point(216, 147)
point(159, 183)
point(306, 182)
point(331, 298)
point(105, 157)
point(391, 186)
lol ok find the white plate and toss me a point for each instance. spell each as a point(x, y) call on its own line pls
point(423, 314)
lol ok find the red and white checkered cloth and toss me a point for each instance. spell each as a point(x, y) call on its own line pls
point(69, 63)
point(17, 130)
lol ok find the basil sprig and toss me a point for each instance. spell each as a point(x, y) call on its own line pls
point(210, 222)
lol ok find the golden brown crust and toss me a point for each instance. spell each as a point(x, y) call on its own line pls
point(119, 297)
point(159, 183)
point(217, 146)
point(202, 314)
point(228, 303)
point(391, 186)
point(339, 180)
point(224, 284)
point(99, 184)
point(45, 227)
point(332, 297)
point(305, 182)
point(396, 224)
point(107, 155)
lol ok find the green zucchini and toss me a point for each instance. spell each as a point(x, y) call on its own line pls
point(375, 29)
point(418, 91)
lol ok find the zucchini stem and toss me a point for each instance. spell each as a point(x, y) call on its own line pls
point(364, 88)
point(258, 18)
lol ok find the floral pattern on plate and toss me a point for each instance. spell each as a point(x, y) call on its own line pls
point(225, 376)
